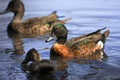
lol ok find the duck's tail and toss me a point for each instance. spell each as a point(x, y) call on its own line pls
point(98, 31)
point(66, 20)
point(52, 17)
point(105, 35)
point(101, 41)
point(101, 29)
point(60, 22)
point(55, 12)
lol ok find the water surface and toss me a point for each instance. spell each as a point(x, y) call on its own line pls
point(87, 16)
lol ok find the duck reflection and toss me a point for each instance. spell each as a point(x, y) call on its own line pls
point(67, 66)
point(17, 43)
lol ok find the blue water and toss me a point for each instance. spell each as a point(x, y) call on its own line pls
point(87, 16)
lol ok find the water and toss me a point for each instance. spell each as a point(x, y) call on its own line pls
point(87, 16)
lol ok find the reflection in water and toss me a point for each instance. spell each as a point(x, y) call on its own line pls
point(17, 43)
point(65, 65)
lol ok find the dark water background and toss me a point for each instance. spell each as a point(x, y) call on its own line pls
point(87, 16)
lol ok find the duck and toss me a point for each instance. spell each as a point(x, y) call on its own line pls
point(35, 65)
point(28, 26)
point(46, 29)
point(77, 47)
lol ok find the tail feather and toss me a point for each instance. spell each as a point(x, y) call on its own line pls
point(66, 20)
point(105, 35)
point(98, 31)
point(102, 29)
point(54, 12)
point(52, 17)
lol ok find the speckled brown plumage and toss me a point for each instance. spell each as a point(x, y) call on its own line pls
point(29, 26)
point(81, 46)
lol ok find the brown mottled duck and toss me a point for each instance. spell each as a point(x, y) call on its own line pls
point(81, 46)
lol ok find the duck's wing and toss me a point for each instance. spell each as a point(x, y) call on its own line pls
point(37, 25)
point(89, 44)
point(74, 40)
point(96, 32)
point(84, 47)
point(45, 19)
point(51, 17)
point(96, 35)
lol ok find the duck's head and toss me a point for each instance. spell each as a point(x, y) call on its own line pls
point(32, 55)
point(60, 31)
point(15, 6)
point(37, 67)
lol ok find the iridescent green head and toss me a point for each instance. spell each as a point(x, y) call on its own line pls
point(60, 32)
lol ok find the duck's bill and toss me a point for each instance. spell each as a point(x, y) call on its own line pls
point(3, 12)
point(49, 39)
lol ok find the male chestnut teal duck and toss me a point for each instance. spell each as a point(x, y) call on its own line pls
point(38, 66)
point(81, 46)
point(32, 25)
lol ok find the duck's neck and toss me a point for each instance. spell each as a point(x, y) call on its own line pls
point(17, 17)
point(61, 40)
point(37, 58)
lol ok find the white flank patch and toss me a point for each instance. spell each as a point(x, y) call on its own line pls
point(102, 55)
point(100, 44)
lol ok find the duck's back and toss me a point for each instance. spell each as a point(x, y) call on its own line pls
point(42, 20)
point(87, 44)
point(81, 39)
point(32, 25)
